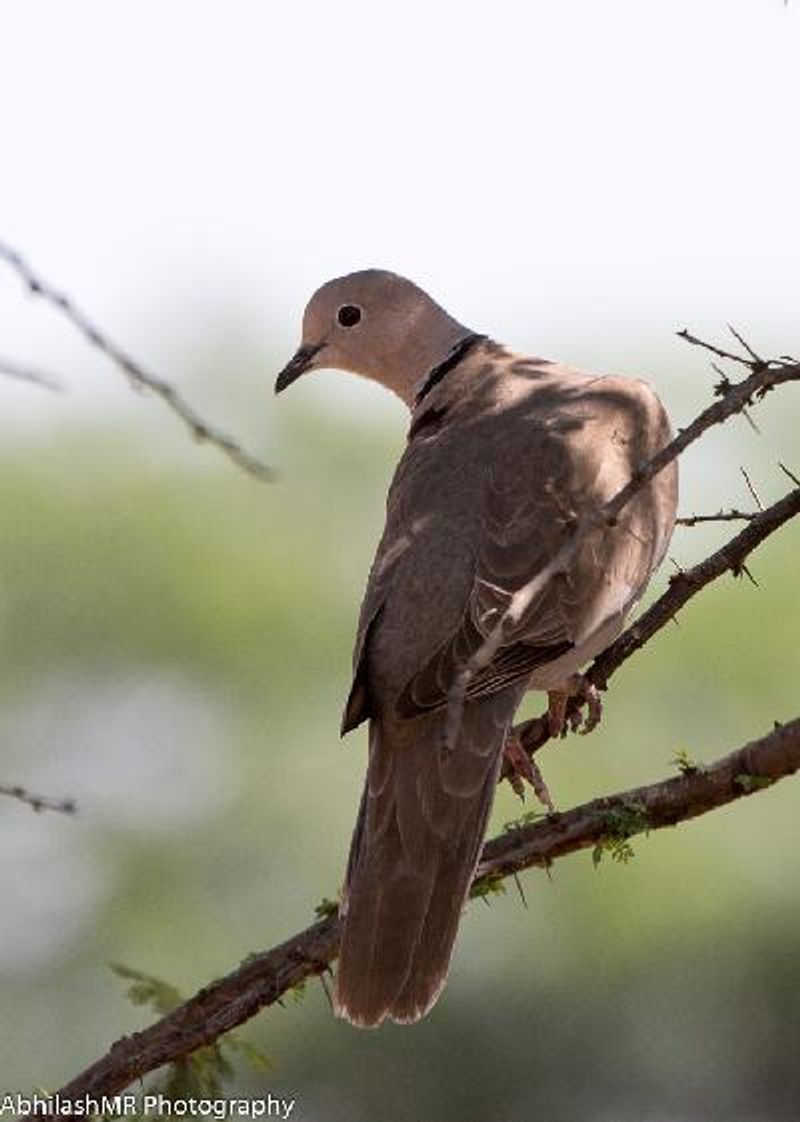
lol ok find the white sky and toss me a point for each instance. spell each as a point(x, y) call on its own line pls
point(563, 175)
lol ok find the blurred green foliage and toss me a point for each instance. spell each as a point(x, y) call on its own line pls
point(175, 654)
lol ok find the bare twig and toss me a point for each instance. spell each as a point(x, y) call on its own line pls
point(720, 516)
point(263, 978)
point(39, 802)
point(24, 373)
point(136, 374)
point(719, 351)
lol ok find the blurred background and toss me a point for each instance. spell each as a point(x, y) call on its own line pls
point(580, 180)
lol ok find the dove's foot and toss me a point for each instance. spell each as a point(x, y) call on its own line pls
point(522, 769)
point(558, 701)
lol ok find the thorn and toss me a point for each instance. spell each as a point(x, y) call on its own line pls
point(752, 489)
point(744, 569)
point(743, 342)
point(520, 889)
point(791, 474)
point(325, 986)
point(751, 422)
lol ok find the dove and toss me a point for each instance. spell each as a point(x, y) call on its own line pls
point(504, 455)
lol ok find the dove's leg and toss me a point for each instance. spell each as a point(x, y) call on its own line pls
point(523, 768)
point(557, 701)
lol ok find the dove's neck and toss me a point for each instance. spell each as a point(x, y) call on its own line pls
point(455, 356)
point(426, 348)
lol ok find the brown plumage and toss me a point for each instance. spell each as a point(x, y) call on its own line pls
point(504, 454)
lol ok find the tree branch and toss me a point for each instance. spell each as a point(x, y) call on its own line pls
point(24, 373)
point(698, 790)
point(136, 374)
point(39, 802)
point(683, 585)
point(720, 516)
point(261, 979)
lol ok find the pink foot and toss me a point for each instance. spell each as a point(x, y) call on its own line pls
point(558, 702)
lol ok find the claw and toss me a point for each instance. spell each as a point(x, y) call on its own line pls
point(523, 768)
point(590, 696)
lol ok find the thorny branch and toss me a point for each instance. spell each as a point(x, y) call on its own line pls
point(137, 375)
point(683, 585)
point(733, 398)
point(699, 789)
point(39, 802)
point(263, 978)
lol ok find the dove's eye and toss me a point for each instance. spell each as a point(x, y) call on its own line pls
point(349, 315)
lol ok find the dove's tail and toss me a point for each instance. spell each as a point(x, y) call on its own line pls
point(416, 843)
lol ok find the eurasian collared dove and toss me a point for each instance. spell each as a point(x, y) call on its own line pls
point(504, 455)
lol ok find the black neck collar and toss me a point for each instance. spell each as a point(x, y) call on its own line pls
point(438, 373)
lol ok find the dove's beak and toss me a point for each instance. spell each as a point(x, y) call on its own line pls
point(297, 365)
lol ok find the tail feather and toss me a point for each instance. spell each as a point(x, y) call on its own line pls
point(415, 847)
point(431, 958)
point(381, 927)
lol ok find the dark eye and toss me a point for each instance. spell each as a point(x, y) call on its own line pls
point(349, 315)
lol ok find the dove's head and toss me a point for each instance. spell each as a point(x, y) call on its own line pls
point(376, 324)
